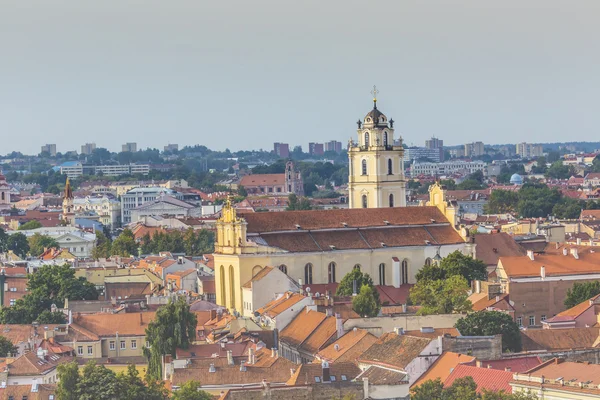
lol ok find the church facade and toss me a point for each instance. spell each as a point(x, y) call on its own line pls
point(377, 234)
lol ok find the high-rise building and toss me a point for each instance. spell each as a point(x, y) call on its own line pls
point(333, 145)
point(88, 148)
point(528, 150)
point(281, 149)
point(421, 153)
point(436, 144)
point(171, 147)
point(315, 149)
point(474, 149)
point(50, 149)
point(130, 147)
point(376, 177)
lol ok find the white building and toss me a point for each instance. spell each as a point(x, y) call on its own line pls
point(107, 209)
point(165, 206)
point(137, 197)
point(78, 242)
point(258, 291)
point(446, 168)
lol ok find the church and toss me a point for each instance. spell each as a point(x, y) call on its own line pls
point(377, 234)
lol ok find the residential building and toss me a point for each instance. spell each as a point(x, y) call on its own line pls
point(13, 285)
point(280, 311)
point(258, 291)
point(443, 367)
point(122, 169)
point(583, 315)
point(437, 144)
point(422, 154)
point(72, 169)
point(333, 146)
point(171, 147)
point(591, 179)
point(528, 150)
point(490, 247)
point(376, 176)
point(35, 367)
point(489, 379)
point(275, 184)
point(186, 280)
point(129, 147)
point(167, 206)
point(106, 208)
point(315, 149)
point(445, 168)
point(50, 149)
point(282, 150)
point(34, 391)
point(88, 148)
point(347, 348)
point(324, 372)
point(76, 241)
point(457, 153)
point(139, 196)
point(475, 149)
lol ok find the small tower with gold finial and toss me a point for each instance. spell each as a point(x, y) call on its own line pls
point(68, 213)
point(231, 230)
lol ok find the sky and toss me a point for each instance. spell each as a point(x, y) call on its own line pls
point(242, 74)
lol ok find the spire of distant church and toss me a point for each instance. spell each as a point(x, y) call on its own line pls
point(68, 190)
point(374, 92)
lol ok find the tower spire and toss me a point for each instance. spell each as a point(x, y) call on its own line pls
point(374, 92)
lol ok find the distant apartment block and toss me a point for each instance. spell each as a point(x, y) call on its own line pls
point(333, 145)
point(436, 144)
point(281, 149)
point(73, 169)
point(420, 153)
point(171, 147)
point(88, 148)
point(475, 149)
point(315, 149)
point(457, 153)
point(445, 168)
point(130, 147)
point(50, 149)
point(528, 150)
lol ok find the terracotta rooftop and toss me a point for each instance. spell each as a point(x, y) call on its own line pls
point(574, 311)
point(516, 364)
point(249, 181)
point(19, 392)
point(20, 333)
point(481, 301)
point(394, 350)
point(555, 265)
point(572, 373)
point(280, 304)
point(490, 247)
point(301, 327)
point(443, 367)
point(323, 334)
point(128, 324)
point(383, 376)
point(349, 347)
point(183, 273)
point(485, 378)
point(309, 374)
point(259, 275)
point(559, 339)
point(31, 364)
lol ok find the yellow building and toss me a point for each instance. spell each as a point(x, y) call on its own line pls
point(376, 176)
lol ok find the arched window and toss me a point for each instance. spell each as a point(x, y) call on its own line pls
point(222, 301)
point(364, 167)
point(391, 200)
point(2, 195)
point(390, 169)
point(382, 274)
point(404, 271)
point(367, 139)
point(364, 201)
point(428, 262)
point(283, 268)
point(256, 270)
point(331, 273)
point(385, 139)
point(357, 266)
point(308, 274)
point(231, 288)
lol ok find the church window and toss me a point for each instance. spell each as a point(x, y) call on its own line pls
point(2, 195)
point(364, 167)
point(364, 201)
point(390, 165)
point(231, 287)
point(357, 266)
point(283, 268)
point(222, 279)
point(308, 279)
point(385, 139)
point(391, 200)
point(428, 262)
point(331, 273)
point(367, 139)
point(382, 274)
point(404, 272)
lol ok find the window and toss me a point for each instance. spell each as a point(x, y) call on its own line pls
point(13, 301)
point(404, 272)
point(391, 200)
point(222, 275)
point(357, 266)
point(344, 378)
point(308, 280)
point(111, 345)
point(123, 347)
point(428, 262)
point(232, 287)
point(520, 321)
point(51, 397)
point(90, 350)
point(331, 272)
point(385, 139)
point(80, 350)
point(366, 139)
point(390, 169)
point(317, 379)
point(382, 274)
point(134, 344)
point(283, 268)
point(364, 167)
point(364, 201)
point(531, 320)
point(289, 188)
point(543, 317)
point(332, 378)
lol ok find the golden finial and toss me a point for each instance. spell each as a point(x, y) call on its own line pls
point(374, 92)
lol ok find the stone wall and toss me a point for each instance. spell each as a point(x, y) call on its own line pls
point(482, 347)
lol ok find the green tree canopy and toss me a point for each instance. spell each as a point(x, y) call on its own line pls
point(174, 327)
point(7, 347)
point(365, 303)
point(191, 391)
point(487, 323)
point(37, 244)
point(18, 244)
point(502, 201)
point(428, 390)
point(454, 263)
point(581, 292)
point(295, 203)
point(124, 245)
point(442, 296)
point(103, 246)
point(33, 224)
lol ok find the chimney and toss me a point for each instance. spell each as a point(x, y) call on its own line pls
point(565, 251)
point(508, 369)
point(329, 312)
point(399, 331)
point(251, 357)
point(326, 377)
point(366, 388)
point(404, 308)
point(575, 254)
point(339, 325)
point(530, 254)
point(543, 272)
point(243, 366)
point(478, 364)
point(477, 286)
point(578, 241)
point(212, 368)
point(229, 357)
point(498, 297)
point(292, 371)
point(273, 352)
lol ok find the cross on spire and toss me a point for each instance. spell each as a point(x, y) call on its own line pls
point(374, 92)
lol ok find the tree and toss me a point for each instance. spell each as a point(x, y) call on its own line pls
point(502, 201)
point(581, 292)
point(365, 303)
point(455, 263)
point(428, 390)
point(68, 378)
point(103, 245)
point(559, 171)
point(134, 388)
point(37, 244)
point(295, 203)
point(462, 389)
point(191, 391)
point(18, 244)
point(488, 323)
point(7, 347)
point(441, 296)
point(33, 224)
point(124, 245)
point(241, 191)
point(174, 327)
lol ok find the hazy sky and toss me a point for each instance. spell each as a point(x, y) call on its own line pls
point(243, 74)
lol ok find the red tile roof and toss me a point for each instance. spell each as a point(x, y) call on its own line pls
point(485, 378)
point(250, 181)
point(301, 327)
point(517, 364)
point(490, 247)
point(443, 367)
point(393, 350)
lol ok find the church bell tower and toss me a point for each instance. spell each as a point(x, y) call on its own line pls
point(376, 171)
point(68, 212)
